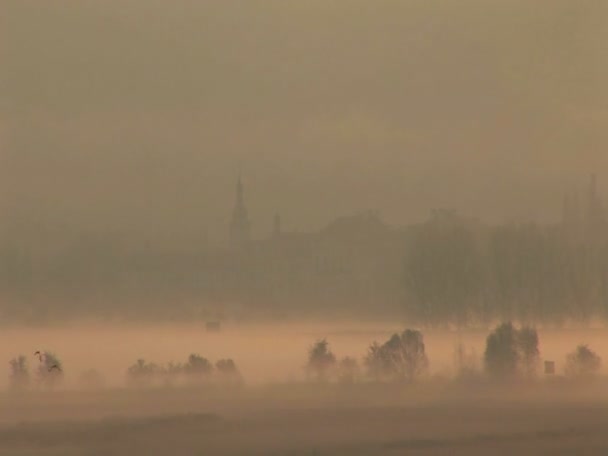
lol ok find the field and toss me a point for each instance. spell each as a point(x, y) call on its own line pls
point(277, 413)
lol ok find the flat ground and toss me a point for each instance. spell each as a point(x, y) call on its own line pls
point(275, 413)
point(304, 420)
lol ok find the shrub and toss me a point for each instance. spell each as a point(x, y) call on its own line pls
point(320, 360)
point(197, 365)
point(20, 375)
point(402, 357)
point(228, 372)
point(50, 370)
point(582, 363)
point(142, 373)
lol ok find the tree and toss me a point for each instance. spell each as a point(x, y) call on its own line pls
point(320, 360)
point(20, 376)
point(142, 373)
point(527, 339)
point(511, 352)
point(582, 363)
point(501, 355)
point(198, 366)
point(402, 357)
point(443, 271)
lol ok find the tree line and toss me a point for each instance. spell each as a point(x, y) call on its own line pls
point(462, 272)
point(511, 354)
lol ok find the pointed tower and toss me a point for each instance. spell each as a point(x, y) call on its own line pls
point(239, 225)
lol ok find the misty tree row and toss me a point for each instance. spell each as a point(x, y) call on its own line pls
point(463, 273)
point(511, 354)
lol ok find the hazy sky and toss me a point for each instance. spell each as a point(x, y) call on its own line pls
point(136, 115)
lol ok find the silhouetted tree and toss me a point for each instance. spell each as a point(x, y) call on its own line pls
point(527, 339)
point(142, 373)
point(402, 357)
point(582, 363)
point(320, 360)
point(443, 271)
point(197, 368)
point(501, 355)
point(511, 352)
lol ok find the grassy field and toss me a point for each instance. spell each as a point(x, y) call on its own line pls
point(302, 419)
point(276, 413)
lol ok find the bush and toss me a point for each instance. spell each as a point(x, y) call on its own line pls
point(197, 366)
point(142, 373)
point(321, 360)
point(50, 370)
point(20, 376)
point(582, 363)
point(402, 357)
point(195, 370)
point(228, 372)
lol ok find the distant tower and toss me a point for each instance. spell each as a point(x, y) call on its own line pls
point(239, 225)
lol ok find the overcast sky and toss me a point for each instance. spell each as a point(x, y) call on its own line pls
point(136, 115)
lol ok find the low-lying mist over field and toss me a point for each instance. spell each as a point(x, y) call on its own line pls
point(303, 228)
point(264, 353)
point(289, 390)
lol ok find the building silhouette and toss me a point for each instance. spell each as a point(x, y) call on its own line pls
point(239, 224)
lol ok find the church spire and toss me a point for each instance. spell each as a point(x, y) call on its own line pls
point(239, 225)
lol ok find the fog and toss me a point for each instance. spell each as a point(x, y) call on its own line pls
point(135, 116)
point(328, 227)
point(279, 410)
point(265, 353)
